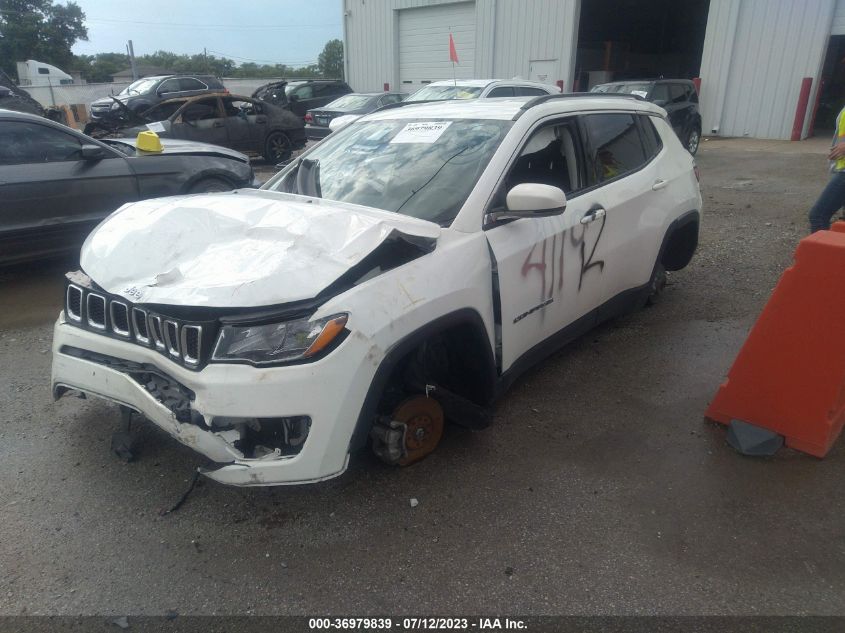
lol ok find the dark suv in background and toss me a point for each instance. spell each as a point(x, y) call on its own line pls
point(307, 94)
point(677, 96)
point(144, 93)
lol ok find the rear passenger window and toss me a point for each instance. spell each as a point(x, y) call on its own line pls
point(524, 91)
point(616, 146)
point(678, 93)
point(653, 142)
point(189, 83)
point(501, 91)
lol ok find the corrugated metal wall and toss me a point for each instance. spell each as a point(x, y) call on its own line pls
point(756, 53)
point(838, 27)
point(509, 34)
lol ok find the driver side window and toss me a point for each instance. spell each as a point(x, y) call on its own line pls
point(22, 143)
point(551, 156)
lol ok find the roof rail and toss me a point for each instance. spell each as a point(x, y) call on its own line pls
point(573, 95)
point(401, 104)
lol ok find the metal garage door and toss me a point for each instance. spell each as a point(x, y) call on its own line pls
point(424, 43)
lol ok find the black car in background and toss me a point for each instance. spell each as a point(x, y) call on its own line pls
point(241, 123)
point(56, 184)
point(355, 103)
point(144, 93)
point(677, 96)
point(307, 94)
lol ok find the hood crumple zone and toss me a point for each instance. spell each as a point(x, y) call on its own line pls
point(241, 249)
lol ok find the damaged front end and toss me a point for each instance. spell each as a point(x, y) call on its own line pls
point(220, 337)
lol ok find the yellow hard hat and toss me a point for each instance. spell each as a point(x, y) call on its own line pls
point(148, 141)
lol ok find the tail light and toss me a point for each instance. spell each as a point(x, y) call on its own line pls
point(308, 117)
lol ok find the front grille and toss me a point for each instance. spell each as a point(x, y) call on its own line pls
point(95, 308)
point(119, 312)
point(183, 342)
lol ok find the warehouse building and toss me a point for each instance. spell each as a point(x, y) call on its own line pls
point(768, 68)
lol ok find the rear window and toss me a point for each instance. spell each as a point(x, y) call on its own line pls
point(616, 146)
point(348, 102)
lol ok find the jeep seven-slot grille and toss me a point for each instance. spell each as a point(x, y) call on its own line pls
point(182, 342)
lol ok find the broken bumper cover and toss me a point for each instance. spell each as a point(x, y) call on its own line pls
point(315, 390)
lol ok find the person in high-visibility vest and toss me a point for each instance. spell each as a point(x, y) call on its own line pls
point(832, 197)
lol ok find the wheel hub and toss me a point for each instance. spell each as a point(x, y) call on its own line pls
point(423, 420)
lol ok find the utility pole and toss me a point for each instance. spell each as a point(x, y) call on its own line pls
point(131, 52)
point(205, 55)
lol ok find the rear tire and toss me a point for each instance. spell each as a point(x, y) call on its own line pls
point(277, 148)
point(210, 185)
point(693, 140)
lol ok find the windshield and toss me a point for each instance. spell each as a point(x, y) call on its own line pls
point(289, 88)
point(348, 102)
point(436, 93)
point(422, 168)
point(139, 87)
point(637, 88)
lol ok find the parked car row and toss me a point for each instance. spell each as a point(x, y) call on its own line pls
point(56, 183)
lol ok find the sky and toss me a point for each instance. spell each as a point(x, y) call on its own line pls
point(291, 32)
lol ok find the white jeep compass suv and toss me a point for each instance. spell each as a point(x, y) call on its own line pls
point(396, 276)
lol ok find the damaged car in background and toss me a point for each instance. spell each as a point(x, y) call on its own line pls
point(395, 277)
point(240, 123)
point(56, 184)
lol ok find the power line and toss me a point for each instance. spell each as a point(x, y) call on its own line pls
point(263, 61)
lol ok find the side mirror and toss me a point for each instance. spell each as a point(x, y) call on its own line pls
point(293, 98)
point(93, 152)
point(532, 200)
point(4, 91)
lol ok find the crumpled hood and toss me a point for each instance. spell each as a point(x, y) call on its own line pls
point(240, 249)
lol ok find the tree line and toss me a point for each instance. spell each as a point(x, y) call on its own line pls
point(42, 30)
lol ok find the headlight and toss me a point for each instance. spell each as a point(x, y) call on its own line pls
point(277, 342)
point(114, 105)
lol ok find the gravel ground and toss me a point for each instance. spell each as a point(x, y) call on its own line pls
point(599, 490)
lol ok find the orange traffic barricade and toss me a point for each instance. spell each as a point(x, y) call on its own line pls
point(789, 376)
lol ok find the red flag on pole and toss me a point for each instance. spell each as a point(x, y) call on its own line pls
point(453, 54)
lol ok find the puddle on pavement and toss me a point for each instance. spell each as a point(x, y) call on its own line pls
point(31, 294)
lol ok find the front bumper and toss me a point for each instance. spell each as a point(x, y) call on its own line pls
point(324, 390)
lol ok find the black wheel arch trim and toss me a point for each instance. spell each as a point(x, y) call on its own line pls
point(678, 223)
point(398, 351)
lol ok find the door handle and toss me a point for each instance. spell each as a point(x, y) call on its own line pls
point(593, 214)
point(261, 119)
point(217, 124)
point(659, 184)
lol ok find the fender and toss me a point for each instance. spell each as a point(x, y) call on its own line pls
point(677, 224)
point(464, 316)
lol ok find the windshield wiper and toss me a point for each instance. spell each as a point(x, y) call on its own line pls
point(433, 176)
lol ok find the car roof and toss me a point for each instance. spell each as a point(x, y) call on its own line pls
point(509, 108)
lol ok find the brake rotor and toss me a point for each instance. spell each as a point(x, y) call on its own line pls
point(423, 420)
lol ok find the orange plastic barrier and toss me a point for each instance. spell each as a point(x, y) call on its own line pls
point(789, 376)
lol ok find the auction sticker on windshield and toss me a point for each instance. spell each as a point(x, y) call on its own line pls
point(421, 132)
point(158, 126)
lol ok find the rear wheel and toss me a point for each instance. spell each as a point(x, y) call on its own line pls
point(693, 140)
point(277, 148)
point(210, 185)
